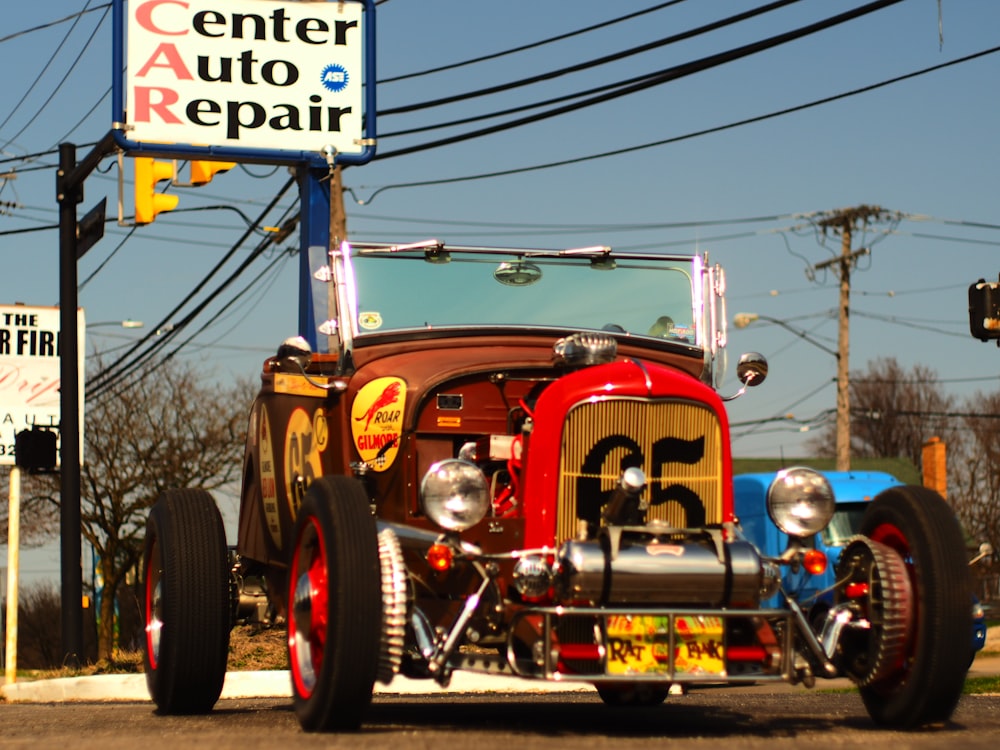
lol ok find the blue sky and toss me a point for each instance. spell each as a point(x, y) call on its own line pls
point(924, 147)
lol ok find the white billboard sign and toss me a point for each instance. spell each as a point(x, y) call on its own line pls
point(259, 74)
point(30, 371)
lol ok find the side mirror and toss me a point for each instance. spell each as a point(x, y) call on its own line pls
point(751, 370)
point(294, 351)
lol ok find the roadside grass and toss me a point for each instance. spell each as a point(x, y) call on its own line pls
point(251, 648)
point(982, 685)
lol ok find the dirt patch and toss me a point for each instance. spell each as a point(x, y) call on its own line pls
point(257, 647)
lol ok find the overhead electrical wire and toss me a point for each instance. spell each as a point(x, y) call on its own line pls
point(656, 79)
point(114, 371)
point(673, 139)
point(62, 80)
point(645, 80)
point(530, 45)
point(38, 78)
point(50, 24)
point(596, 62)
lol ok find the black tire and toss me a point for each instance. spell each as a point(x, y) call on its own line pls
point(335, 606)
point(187, 605)
point(926, 685)
point(633, 695)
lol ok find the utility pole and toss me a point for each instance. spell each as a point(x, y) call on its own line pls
point(843, 222)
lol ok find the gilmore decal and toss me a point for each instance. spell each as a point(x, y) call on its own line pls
point(377, 421)
point(254, 73)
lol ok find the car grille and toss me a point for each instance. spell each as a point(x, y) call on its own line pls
point(677, 444)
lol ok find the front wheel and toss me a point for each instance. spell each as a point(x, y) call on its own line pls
point(335, 606)
point(187, 605)
point(923, 681)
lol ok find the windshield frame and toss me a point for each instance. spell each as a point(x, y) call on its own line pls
point(706, 284)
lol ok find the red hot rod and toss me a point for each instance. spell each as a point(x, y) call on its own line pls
point(517, 462)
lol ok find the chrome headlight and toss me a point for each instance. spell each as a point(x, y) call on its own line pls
point(454, 494)
point(800, 501)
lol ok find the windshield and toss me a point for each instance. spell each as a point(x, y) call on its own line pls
point(404, 289)
point(845, 524)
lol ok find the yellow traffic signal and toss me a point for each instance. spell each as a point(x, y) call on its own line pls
point(148, 202)
point(202, 172)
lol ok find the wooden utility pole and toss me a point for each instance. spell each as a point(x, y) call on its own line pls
point(338, 217)
point(338, 233)
point(843, 222)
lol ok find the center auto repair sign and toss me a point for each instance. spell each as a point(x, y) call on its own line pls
point(246, 73)
point(29, 372)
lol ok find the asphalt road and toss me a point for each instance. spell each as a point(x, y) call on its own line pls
point(113, 711)
point(710, 717)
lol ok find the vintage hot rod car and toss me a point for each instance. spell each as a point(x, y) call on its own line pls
point(517, 462)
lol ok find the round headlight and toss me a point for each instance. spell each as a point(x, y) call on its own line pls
point(454, 494)
point(800, 501)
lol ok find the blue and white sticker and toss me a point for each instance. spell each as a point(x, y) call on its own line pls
point(335, 78)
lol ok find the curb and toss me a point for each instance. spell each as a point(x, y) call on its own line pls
point(265, 684)
point(277, 684)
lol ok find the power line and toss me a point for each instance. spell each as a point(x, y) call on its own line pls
point(50, 24)
point(62, 80)
point(531, 45)
point(675, 139)
point(115, 371)
point(656, 79)
point(596, 62)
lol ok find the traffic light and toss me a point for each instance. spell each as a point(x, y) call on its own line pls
point(202, 172)
point(35, 450)
point(148, 202)
point(984, 310)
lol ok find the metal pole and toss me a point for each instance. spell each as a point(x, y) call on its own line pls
point(69, 193)
point(13, 568)
point(314, 231)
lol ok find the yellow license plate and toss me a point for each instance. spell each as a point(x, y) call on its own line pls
point(641, 645)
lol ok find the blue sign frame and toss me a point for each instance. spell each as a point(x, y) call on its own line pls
point(230, 153)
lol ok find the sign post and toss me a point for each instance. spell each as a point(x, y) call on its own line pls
point(33, 352)
point(13, 571)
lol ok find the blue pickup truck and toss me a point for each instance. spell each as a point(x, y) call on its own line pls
point(852, 490)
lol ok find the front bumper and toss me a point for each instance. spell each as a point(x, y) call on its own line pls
point(655, 645)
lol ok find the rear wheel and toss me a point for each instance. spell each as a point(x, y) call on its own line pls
point(919, 675)
point(335, 606)
point(187, 607)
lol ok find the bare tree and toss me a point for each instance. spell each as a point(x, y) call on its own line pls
point(174, 428)
point(39, 513)
point(974, 482)
point(893, 412)
point(896, 411)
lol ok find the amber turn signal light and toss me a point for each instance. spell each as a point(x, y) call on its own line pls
point(439, 557)
point(814, 561)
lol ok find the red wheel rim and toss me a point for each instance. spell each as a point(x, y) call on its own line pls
point(308, 624)
point(154, 615)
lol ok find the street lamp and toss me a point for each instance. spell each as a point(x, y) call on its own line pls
point(743, 319)
point(843, 435)
point(117, 324)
